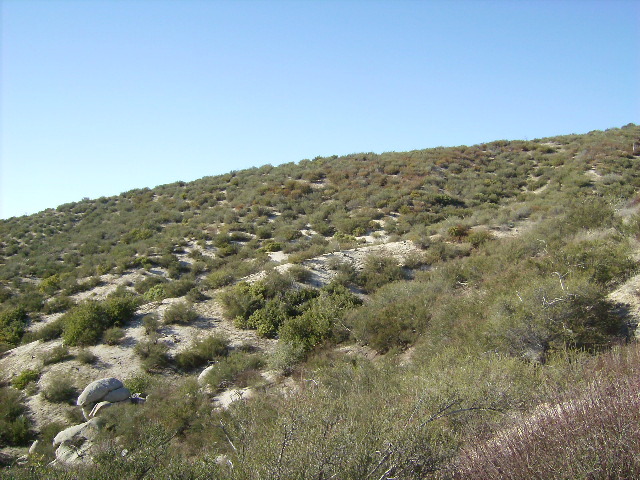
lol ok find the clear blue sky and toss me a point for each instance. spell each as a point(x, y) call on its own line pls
point(99, 97)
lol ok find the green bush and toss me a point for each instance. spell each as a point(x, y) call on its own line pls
point(150, 323)
point(393, 317)
point(24, 378)
point(154, 355)
point(113, 336)
point(155, 293)
point(139, 384)
point(220, 278)
point(145, 285)
point(85, 324)
point(179, 313)
point(15, 426)
point(268, 319)
point(58, 304)
point(241, 300)
point(202, 351)
point(228, 369)
point(86, 357)
point(12, 325)
point(271, 246)
point(317, 323)
point(56, 355)
point(178, 288)
point(378, 271)
point(59, 390)
point(299, 273)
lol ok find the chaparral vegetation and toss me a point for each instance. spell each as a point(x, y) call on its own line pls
point(464, 312)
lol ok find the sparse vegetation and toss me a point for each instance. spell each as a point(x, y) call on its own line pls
point(179, 313)
point(24, 378)
point(59, 390)
point(56, 355)
point(202, 351)
point(15, 426)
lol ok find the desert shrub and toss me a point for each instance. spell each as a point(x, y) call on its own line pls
point(196, 295)
point(113, 336)
point(155, 293)
point(178, 288)
point(58, 304)
point(299, 273)
point(479, 237)
point(56, 355)
point(317, 322)
point(73, 287)
point(274, 284)
point(287, 355)
point(202, 351)
point(220, 278)
point(550, 314)
point(85, 323)
point(15, 426)
point(12, 325)
point(86, 357)
point(140, 383)
point(268, 319)
point(580, 436)
point(393, 317)
point(150, 323)
point(50, 285)
point(458, 231)
point(181, 313)
point(50, 331)
point(605, 261)
point(24, 378)
point(149, 282)
point(241, 300)
point(59, 390)
point(154, 355)
point(378, 271)
point(442, 251)
point(228, 369)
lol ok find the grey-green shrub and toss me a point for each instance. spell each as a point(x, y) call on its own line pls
point(202, 351)
point(59, 389)
point(15, 424)
point(56, 355)
point(179, 313)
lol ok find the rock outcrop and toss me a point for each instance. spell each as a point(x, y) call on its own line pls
point(96, 391)
point(106, 390)
point(73, 443)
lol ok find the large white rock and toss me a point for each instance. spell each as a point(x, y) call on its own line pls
point(117, 395)
point(70, 455)
point(96, 391)
point(84, 431)
point(202, 378)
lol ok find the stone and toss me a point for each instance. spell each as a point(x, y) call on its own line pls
point(202, 378)
point(96, 391)
point(117, 395)
point(34, 445)
point(84, 431)
point(99, 407)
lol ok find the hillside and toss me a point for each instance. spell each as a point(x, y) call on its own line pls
point(439, 313)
